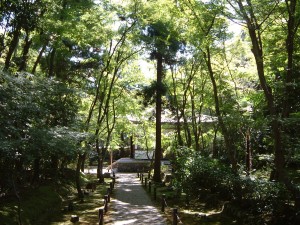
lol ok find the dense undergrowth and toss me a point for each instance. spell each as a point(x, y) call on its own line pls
point(45, 204)
point(243, 197)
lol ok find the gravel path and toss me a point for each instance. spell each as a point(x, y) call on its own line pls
point(130, 204)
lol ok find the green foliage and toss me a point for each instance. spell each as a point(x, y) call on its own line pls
point(194, 174)
point(37, 122)
point(36, 207)
point(162, 39)
point(149, 92)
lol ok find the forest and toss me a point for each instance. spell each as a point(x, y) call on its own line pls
point(76, 75)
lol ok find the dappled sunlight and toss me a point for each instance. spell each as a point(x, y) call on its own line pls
point(131, 204)
point(127, 189)
point(115, 201)
point(125, 222)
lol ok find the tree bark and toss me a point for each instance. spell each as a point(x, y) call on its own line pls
point(178, 116)
point(13, 45)
point(230, 149)
point(77, 176)
point(158, 149)
point(36, 170)
point(51, 62)
point(131, 147)
point(248, 153)
point(38, 58)
point(292, 28)
point(27, 44)
point(257, 50)
point(83, 161)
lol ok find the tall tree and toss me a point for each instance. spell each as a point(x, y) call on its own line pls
point(256, 21)
point(208, 30)
point(162, 41)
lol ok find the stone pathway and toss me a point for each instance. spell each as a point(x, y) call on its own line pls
point(130, 204)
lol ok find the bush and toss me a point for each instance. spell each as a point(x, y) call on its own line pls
point(193, 173)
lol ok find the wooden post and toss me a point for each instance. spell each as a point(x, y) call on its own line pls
point(142, 178)
point(108, 194)
point(101, 213)
point(113, 182)
point(138, 174)
point(163, 199)
point(187, 198)
point(74, 218)
point(175, 220)
point(150, 186)
point(154, 190)
point(146, 179)
point(297, 203)
point(105, 203)
point(111, 187)
point(114, 175)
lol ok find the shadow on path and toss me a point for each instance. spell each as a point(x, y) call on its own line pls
point(130, 204)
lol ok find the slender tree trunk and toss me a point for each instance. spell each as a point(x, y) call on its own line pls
point(131, 147)
point(38, 59)
point(51, 62)
point(158, 149)
point(196, 125)
point(188, 136)
point(230, 149)
point(248, 153)
point(2, 44)
point(100, 157)
point(18, 200)
point(257, 50)
point(13, 45)
point(77, 178)
point(214, 147)
point(27, 44)
point(178, 117)
point(83, 161)
point(54, 164)
point(36, 170)
point(122, 150)
point(292, 28)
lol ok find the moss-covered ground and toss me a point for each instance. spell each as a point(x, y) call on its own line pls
point(48, 203)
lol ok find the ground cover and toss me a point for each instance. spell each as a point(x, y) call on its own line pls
point(50, 203)
point(207, 211)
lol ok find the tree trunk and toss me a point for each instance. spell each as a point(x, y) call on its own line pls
point(38, 58)
point(51, 63)
point(13, 45)
point(187, 132)
point(178, 117)
point(36, 170)
point(54, 164)
point(214, 147)
point(257, 50)
point(158, 149)
point(292, 28)
point(230, 149)
point(2, 44)
point(27, 44)
point(248, 153)
point(131, 147)
point(122, 150)
point(77, 176)
point(100, 158)
point(83, 161)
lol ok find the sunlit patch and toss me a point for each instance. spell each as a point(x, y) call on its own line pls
point(125, 222)
point(127, 189)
